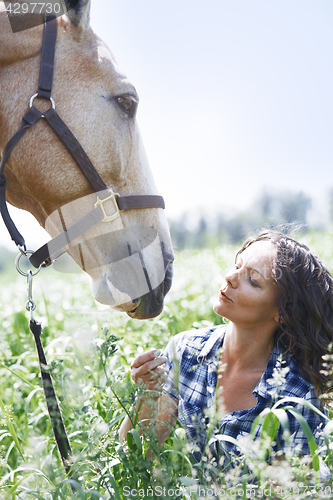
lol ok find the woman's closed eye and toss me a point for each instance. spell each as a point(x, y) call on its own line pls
point(253, 282)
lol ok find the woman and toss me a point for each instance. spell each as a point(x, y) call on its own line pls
point(279, 303)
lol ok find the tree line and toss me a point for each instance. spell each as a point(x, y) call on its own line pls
point(269, 210)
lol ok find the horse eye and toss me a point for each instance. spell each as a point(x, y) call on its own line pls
point(128, 104)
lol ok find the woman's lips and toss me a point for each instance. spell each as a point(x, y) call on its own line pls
point(223, 296)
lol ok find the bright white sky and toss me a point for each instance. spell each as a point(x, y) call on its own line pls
point(235, 95)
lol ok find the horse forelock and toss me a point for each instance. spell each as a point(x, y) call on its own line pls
point(78, 12)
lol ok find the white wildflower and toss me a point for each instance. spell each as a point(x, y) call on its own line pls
point(278, 377)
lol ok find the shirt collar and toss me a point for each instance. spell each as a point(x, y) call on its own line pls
point(263, 388)
point(213, 343)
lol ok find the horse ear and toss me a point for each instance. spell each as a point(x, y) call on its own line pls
point(78, 12)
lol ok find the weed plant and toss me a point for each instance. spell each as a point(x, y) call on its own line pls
point(89, 350)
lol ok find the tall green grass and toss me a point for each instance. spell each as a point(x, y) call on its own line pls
point(89, 349)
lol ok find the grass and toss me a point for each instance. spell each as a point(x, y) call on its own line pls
point(89, 350)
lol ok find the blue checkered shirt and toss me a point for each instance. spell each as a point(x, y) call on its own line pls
point(192, 362)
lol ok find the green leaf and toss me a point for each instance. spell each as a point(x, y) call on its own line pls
point(11, 427)
point(257, 420)
point(224, 437)
point(133, 434)
point(28, 471)
point(116, 419)
point(302, 402)
point(176, 452)
point(17, 375)
point(114, 486)
point(309, 436)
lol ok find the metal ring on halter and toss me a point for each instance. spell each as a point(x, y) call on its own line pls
point(25, 253)
point(36, 95)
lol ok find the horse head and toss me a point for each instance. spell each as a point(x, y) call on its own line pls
point(130, 257)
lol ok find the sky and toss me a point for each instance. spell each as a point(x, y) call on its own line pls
point(235, 97)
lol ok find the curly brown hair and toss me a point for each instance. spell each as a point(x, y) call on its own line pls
point(305, 328)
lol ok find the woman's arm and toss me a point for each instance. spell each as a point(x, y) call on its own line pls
point(153, 407)
point(167, 416)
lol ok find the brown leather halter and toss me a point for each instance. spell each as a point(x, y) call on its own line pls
point(42, 255)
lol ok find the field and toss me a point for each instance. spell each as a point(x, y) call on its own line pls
point(89, 349)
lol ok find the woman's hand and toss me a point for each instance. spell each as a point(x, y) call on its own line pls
point(147, 370)
point(153, 408)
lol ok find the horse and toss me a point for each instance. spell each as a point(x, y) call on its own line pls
point(130, 259)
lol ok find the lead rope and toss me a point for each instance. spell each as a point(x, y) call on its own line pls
point(58, 426)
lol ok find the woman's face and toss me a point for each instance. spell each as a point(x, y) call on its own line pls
point(249, 295)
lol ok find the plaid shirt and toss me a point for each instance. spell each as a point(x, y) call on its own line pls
point(193, 360)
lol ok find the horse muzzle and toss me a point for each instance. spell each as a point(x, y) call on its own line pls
point(151, 304)
point(132, 273)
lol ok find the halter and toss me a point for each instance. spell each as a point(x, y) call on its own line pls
point(42, 256)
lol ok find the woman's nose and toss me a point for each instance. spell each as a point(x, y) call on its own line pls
point(231, 278)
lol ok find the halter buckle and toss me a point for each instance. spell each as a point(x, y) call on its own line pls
point(99, 203)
